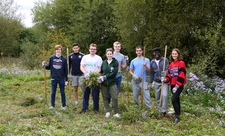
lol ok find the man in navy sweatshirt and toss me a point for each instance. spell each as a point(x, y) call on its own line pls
point(59, 75)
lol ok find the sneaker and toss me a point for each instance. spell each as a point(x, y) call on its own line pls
point(164, 114)
point(117, 115)
point(76, 102)
point(177, 120)
point(82, 111)
point(64, 108)
point(107, 114)
point(51, 107)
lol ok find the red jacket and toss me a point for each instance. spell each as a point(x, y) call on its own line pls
point(177, 73)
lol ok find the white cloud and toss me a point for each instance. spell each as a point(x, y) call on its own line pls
point(25, 10)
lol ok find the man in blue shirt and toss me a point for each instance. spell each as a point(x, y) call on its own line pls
point(137, 66)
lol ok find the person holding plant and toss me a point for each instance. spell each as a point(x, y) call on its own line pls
point(156, 72)
point(74, 63)
point(109, 71)
point(177, 78)
point(59, 74)
point(137, 66)
point(91, 63)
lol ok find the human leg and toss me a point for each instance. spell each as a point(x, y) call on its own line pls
point(86, 95)
point(146, 95)
point(104, 90)
point(157, 94)
point(165, 97)
point(135, 89)
point(62, 88)
point(95, 95)
point(54, 86)
point(113, 91)
point(118, 81)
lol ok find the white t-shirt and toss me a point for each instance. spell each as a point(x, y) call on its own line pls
point(91, 63)
point(157, 62)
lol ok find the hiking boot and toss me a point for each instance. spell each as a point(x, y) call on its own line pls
point(64, 108)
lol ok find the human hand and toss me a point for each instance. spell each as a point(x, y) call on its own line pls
point(163, 79)
point(151, 86)
point(175, 89)
point(136, 78)
point(86, 75)
point(101, 79)
point(144, 63)
point(163, 74)
point(43, 63)
point(66, 83)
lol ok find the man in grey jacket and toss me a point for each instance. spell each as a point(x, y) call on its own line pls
point(155, 75)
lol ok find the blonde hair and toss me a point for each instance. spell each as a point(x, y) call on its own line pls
point(116, 43)
point(93, 45)
point(57, 47)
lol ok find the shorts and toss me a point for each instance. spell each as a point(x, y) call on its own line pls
point(76, 80)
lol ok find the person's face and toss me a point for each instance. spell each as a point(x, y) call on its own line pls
point(92, 50)
point(117, 48)
point(76, 49)
point(109, 55)
point(139, 52)
point(174, 55)
point(58, 51)
point(157, 54)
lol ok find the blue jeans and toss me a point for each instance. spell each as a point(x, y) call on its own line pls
point(95, 95)
point(118, 83)
point(62, 87)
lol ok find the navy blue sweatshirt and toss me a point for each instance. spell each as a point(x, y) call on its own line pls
point(74, 61)
point(58, 67)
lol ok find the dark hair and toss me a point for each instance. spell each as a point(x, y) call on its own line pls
point(139, 47)
point(76, 44)
point(180, 57)
point(157, 49)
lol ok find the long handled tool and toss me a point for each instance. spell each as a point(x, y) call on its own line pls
point(143, 79)
point(164, 65)
point(67, 52)
point(45, 89)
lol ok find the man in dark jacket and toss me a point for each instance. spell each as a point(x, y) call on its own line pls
point(155, 75)
point(59, 75)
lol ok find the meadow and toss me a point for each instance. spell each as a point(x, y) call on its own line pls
point(24, 108)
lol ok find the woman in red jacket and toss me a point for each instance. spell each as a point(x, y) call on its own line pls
point(177, 78)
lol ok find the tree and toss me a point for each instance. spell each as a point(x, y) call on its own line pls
point(10, 27)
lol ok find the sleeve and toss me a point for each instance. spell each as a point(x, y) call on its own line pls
point(151, 74)
point(66, 70)
point(167, 66)
point(99, 63)
point(168, 76)
point(148, 62)
point(181, 74)
point(83, 60)
point(114, 71)
point(131, 65)
point(123, 60)
point(48, 67)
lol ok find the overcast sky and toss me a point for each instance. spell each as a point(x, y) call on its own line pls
point(25, 10)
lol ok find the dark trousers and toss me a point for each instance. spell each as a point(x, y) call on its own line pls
point(62, 87)
point(95, 95)
point(176, 99)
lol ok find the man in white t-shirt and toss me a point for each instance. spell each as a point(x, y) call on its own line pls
point(137, 66)
point(91, 63)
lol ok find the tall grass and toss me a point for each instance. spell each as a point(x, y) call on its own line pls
point(24, 110)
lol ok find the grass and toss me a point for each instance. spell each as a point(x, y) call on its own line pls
point(24, 111)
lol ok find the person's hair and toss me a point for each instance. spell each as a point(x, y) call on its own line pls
point(116, 43)
point(57, 47)
point(180, 57)
point(76, 44)
point(108, 49)
point(139, 47)
point(93, 45)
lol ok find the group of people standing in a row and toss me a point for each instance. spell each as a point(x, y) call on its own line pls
point(111, 77)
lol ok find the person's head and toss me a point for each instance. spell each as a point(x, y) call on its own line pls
point(93, 49)
point(109, 53)
point(76, 47)
point(176, 55)
point(139, 51)
point(117, 46)
point(58, 49)
point(157, 52)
